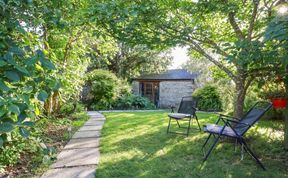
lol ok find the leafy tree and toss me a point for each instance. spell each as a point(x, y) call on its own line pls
point(25, 70)
point(127, 62)
point(64, 35)
point(226, 32)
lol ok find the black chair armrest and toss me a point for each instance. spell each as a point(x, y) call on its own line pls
point(225, 120)
point(236, 118)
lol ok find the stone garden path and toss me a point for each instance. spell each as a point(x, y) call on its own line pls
point(80, 156)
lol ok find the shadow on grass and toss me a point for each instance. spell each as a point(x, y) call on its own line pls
point(136, 145)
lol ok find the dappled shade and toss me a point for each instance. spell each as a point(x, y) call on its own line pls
point(136, 145)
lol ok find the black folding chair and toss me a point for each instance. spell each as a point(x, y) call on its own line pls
point(236, 128)
point(186, 111)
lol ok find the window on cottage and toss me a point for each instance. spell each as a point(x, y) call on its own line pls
point(148, 88)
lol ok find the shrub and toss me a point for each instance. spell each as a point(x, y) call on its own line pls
point(67, 108)
point(103, 88)
point(71, 107)
point(130, 101)
point(208, 98)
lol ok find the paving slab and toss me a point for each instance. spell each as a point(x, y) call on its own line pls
point(73, 172)
point(82, 143)
point(77, 157)
point(87, 134)
point(96, 116)
point(97, 119)
point(90, 128)
point(80, 156)
point(91, 122)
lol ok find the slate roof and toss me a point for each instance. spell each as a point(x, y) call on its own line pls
point(175, 74)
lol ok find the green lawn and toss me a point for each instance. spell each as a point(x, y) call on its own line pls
point(136, 145)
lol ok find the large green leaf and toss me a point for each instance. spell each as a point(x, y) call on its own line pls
point(12, 75)
point(2, 63)
point(9, 58)
point(28, 123)
point(40, 54)
point(31, 61)
point(54, 85)
point(1, 142)
point(3, 86)
point(24, 132)
point(2, 112)
point(6, 127)
point(22, 117)
point(17, 51)
point(47, 64)
point(22, 69)
point(43, 95)
point(14, 109)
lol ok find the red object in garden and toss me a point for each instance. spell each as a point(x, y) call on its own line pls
point(279, 103)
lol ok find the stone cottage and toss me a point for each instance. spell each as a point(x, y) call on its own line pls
point(165, 89)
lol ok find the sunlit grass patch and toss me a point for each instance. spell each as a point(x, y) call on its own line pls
point(137, 145)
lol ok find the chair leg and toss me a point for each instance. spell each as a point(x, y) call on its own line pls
point(197, 122)
point(206, 141)
point(169, 125)
point(189, 125)
point(251, 153)
point(211, 148)
point(178, 124)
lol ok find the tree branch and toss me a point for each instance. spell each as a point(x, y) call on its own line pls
point(253, 18)
point(237, 30)
point(213, 45)
point(233, 23)
point(70, 42)
point(248, 83)
point(199, 49)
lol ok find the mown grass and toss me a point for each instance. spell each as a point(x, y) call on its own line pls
point(136, 145)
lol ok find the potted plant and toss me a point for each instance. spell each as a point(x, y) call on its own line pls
point(279, 99)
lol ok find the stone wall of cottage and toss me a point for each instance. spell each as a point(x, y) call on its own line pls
point(171, 92)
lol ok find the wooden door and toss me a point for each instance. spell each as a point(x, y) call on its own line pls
point(150, 90)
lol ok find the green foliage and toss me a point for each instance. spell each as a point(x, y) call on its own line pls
point(208, 98)
point(24, 68)
point(41, 148)
point(80, 115)
point(11, 154)
point(67, 108)
point(128, 61)
point(252, 97)
point(103, 88)
point(130, 101)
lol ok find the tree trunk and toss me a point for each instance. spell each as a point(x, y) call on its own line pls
point(239, 98)
point(56, 102)
point(48, 105)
